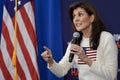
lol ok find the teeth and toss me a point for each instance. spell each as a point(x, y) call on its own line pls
point(78, 24)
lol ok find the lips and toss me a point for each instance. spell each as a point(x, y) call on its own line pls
point(78, 24)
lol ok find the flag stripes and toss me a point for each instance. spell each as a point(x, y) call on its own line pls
point(26, 45)
point(4, 70)
point(9, 51)
point(90, 53)
point(1, 77)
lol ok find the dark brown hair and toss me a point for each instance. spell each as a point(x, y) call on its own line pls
point(97, 25)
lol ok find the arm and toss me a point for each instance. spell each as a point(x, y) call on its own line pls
point(107, 67)
point(60, 69)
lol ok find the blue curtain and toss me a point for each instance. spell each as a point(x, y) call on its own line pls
point(49, 33)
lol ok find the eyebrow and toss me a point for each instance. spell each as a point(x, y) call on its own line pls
point(79, 11)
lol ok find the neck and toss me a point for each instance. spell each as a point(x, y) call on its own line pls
point(87, 32)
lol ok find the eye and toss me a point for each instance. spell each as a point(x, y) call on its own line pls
point(80, 14)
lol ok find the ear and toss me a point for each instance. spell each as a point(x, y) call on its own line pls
point(92, 17)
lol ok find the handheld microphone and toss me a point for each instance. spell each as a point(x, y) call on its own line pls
point(75, 40)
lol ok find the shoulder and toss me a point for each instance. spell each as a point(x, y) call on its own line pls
point(105, 35)
point(107, 40)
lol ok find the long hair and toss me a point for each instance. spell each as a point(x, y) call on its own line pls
point(97, 25)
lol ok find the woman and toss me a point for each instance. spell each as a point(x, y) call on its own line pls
point(96, 57)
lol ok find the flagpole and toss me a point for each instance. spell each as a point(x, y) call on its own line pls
point(14, 57)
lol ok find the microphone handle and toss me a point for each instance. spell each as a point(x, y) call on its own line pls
point(71, 57)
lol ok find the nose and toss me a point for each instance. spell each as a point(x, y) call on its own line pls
point(76, 18)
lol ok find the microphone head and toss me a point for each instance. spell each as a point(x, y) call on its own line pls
point(75, 38)
point(76, 35)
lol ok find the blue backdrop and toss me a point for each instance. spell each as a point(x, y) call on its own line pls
point(54, 29)
point(48, 24)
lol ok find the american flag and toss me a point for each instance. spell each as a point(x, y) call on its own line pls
point(90, 53)
point(27, 68)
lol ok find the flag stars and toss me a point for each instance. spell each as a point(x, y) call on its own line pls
point(19, 2)
point(14, 8)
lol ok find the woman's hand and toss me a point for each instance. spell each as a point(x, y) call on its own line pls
point(77, 50)
point(47, 56)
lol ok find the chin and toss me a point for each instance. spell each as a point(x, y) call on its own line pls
point(79, 30)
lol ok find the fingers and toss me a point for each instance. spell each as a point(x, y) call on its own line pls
point(47, 51)
point(74, 48)
point(77, 50)
point(47, 56)
point(46, 48)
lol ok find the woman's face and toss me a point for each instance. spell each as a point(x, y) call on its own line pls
point(82, 21)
